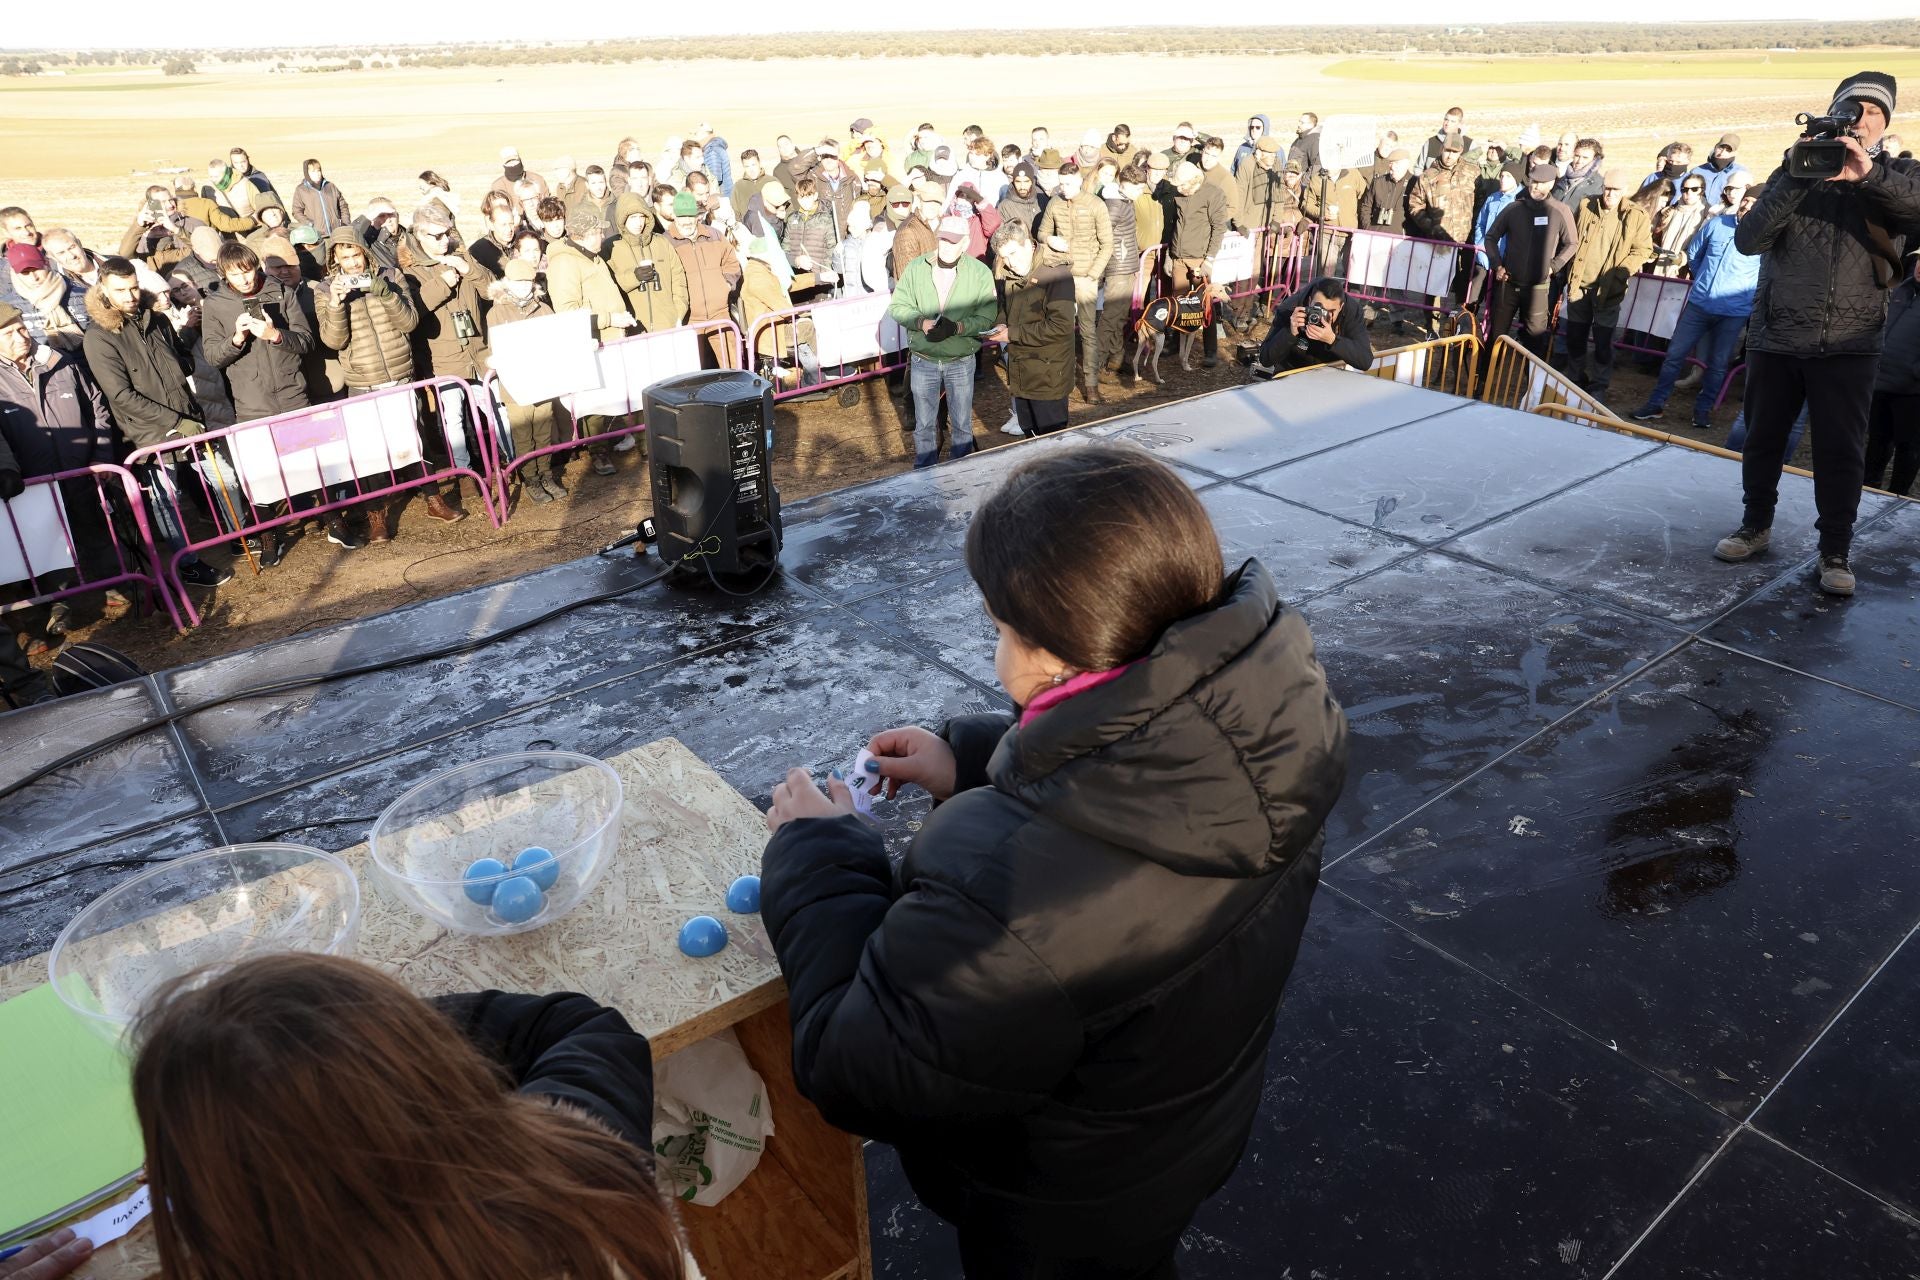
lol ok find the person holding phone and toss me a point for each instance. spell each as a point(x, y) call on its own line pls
point(255, 329)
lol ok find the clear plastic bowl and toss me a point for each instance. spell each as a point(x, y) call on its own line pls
point(495, 808)
point(205, 909)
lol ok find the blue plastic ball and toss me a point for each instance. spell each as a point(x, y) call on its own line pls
point(539, 866)
point(484, 869)
point(518, 900)
point(743, 895)
point(702, 936)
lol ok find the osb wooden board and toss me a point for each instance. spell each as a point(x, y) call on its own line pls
point(687, 835)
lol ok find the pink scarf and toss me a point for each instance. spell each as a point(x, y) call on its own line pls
point(1059, 693)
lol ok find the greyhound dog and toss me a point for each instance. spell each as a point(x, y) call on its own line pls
point(1184, 317)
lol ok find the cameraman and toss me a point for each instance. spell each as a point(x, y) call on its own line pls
point(1315, 326)
point(1829, 250)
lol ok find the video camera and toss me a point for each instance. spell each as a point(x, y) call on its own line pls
point(1820, 153)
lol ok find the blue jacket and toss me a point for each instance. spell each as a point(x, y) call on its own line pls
point(1482, 224)
point(1716, 179)
point(1723, 277)
point(718, 164)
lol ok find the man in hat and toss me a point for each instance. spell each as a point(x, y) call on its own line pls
point(1722, 167)
point(1383, 201)
point(1183, 147)
point(712, 268)
point(514, 171)
point(1076, 231)
point(916, 236)
point(1269, 192)
point(450, 293)
point(1539, 239)
point(1829, 251)
point(578, 279)
point(1198, 225)
point(945, 301)
point(1614, 238)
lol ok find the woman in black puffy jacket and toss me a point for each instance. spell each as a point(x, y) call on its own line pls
point(1058, 1006)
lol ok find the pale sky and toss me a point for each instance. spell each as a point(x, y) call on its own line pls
point(137, 24)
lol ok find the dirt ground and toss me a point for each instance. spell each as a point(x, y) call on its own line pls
point(820, 445)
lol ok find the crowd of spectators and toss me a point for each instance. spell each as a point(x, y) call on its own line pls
point(233, 296)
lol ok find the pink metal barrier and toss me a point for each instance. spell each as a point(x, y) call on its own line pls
point(841, 332)
point(627, 367)
point(1381, 266)
point(78, 531)
point(1653, 307)
point(328, 457)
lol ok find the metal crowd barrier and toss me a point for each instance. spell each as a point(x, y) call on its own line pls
point(853, 337)
point(1518, 379)
point(1443, 364)
point(627, 367)
point(55, 537)
point(1653, 306)
point(1387, 267)
point(329, 457)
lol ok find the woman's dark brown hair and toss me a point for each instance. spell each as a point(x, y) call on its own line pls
point(309, 1118)
point(1091, 551)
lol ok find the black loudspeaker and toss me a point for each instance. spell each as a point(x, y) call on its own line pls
point(710, 441)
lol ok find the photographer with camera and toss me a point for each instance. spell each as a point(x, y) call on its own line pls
point(1828, 229)
point(1315, 326)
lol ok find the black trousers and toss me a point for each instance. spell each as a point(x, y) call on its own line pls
point(1531, 303)
point(1893, 435)
point(984, 1257)
point(1837, 390)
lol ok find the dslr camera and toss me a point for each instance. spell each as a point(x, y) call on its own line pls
point(1820, 153)
point(1316, 314)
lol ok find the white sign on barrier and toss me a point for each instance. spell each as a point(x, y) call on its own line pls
point(627, 367)
point(1653, 305)
point(1395, 262)
point(853, 329)
point(546, 357)
point(1234, 262)
point(33, 521)
point(372, 435)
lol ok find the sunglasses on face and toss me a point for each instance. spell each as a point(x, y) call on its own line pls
point(1694, 190)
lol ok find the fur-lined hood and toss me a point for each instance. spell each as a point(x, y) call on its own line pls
point(103, 313)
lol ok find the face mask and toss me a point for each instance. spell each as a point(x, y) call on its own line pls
point(520, 290)
point(515, 171)
point(1674, 169)
point(963, 208)
point(948, 253)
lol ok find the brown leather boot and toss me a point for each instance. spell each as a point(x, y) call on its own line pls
point(378, 527)
point(1091, 391)
point(438, 508)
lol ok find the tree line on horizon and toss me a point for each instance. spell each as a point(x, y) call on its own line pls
point(1557, 38)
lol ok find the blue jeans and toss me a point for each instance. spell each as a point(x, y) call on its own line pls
point(1714, 337)
point(927, 378)
point(1737, 437)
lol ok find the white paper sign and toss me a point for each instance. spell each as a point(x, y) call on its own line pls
point(33, 535)
point(628, 366)
point(546, 357)
point(368, 436)
point(851, 329)
point(1234, 262)
point(114, 1221)
point(1653, 305)
point(1395, 262)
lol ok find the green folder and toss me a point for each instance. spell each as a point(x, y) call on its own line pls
point(68, 1134)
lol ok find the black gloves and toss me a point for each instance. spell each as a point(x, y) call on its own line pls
point(11, 485)
point(942, 329)
point(646, 276)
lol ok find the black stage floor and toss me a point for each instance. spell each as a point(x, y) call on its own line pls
point(1613, 970)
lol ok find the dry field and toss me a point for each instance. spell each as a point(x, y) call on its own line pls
point(80, 147)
